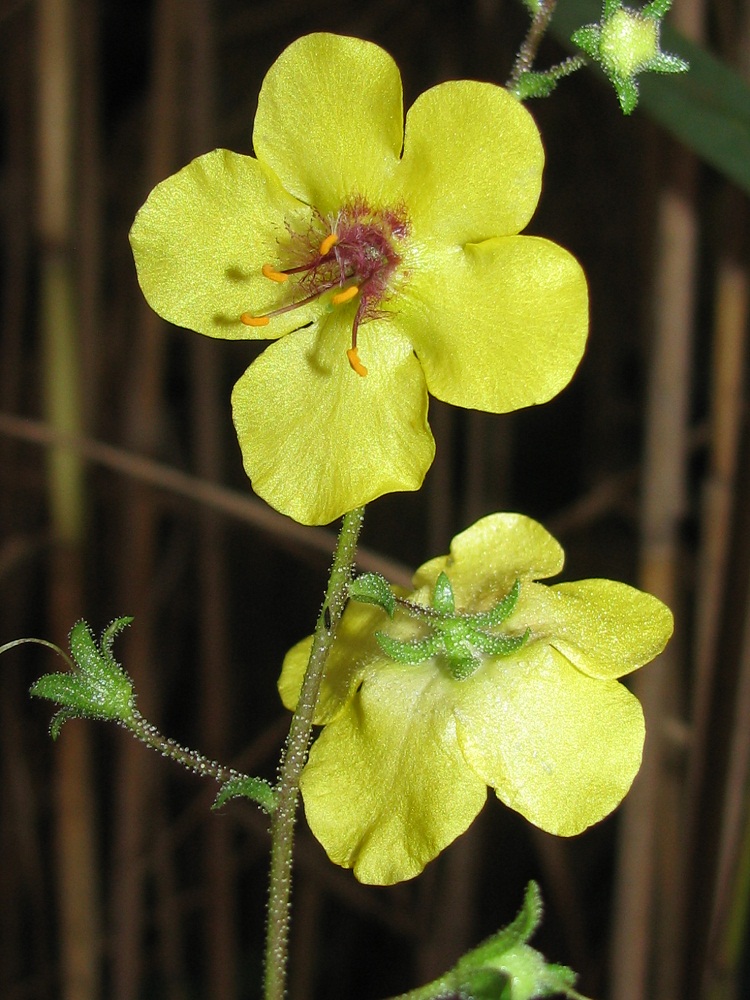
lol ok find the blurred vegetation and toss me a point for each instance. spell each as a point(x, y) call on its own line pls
point(122, 493)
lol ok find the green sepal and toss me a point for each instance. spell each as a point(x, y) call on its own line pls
point(258, 790)
point(459, 637)
point(587, 39)
point(413, 652)
point(486, 984)
point(656, 9)
point(59, 718)
point(443, 600)
point(462, 664)
point(97, 687)
point(502, 610)
point(499, 645)
point(372, 588)
point(626, 89)
point(518, 931)
point(665, 62)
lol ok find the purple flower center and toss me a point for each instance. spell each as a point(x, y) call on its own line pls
point(354, 252)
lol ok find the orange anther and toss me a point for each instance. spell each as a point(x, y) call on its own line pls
point(328, 244)
point(354, 361)
point(269, 271)
point(249, 320)
point(346, 296)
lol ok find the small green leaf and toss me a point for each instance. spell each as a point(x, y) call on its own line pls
point(534, 84)
point(242, 786)
point(372, 588)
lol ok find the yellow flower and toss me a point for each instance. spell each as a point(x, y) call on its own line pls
point(483, 677)
point(384, 263)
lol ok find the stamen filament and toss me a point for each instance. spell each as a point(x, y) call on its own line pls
point(328, 244)
point(249, 320)
point(269, 271)
point(353, 356)
point(346, 296)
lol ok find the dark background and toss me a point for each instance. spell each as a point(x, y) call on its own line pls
point(116, 880)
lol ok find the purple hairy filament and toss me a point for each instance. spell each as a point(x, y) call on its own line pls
point(357, 255)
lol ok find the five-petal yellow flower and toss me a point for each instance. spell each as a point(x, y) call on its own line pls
point(384, 262)
point(408, 749)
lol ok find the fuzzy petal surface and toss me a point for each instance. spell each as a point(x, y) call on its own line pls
point(497, 325)
point(557, 746)
point(330, 120)
point(200, 241)
point(472, 164)
point(318, 440)
point(386, 787)
point(607, 629)
point(487, 559)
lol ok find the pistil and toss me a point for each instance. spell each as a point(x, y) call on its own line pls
point(356, 258)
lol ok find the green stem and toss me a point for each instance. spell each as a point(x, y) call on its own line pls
point(257, 789)
point(295, 756)
point(190, 759)
point(527, 52)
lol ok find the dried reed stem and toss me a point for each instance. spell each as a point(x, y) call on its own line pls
point(650, 829)
point(78, 901)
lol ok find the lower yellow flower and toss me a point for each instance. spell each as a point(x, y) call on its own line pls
point(481, 677)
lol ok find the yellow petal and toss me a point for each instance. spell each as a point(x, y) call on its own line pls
point(293, 672)
point(201, 240)
point(472, 164)
point(386, 787)
point(330, 120)
point(497, 325)
point(487, 559)
point(605, 628)
point(557, 746)
point(355, 651)
point(317, 439)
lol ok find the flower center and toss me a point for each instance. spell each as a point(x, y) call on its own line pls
point(354, 252)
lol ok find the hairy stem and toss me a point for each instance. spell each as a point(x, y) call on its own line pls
point(295, 756)
point(190, 759)
point(527, 52)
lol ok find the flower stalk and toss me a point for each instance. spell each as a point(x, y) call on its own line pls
point(295, 756)
point(527, 53)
